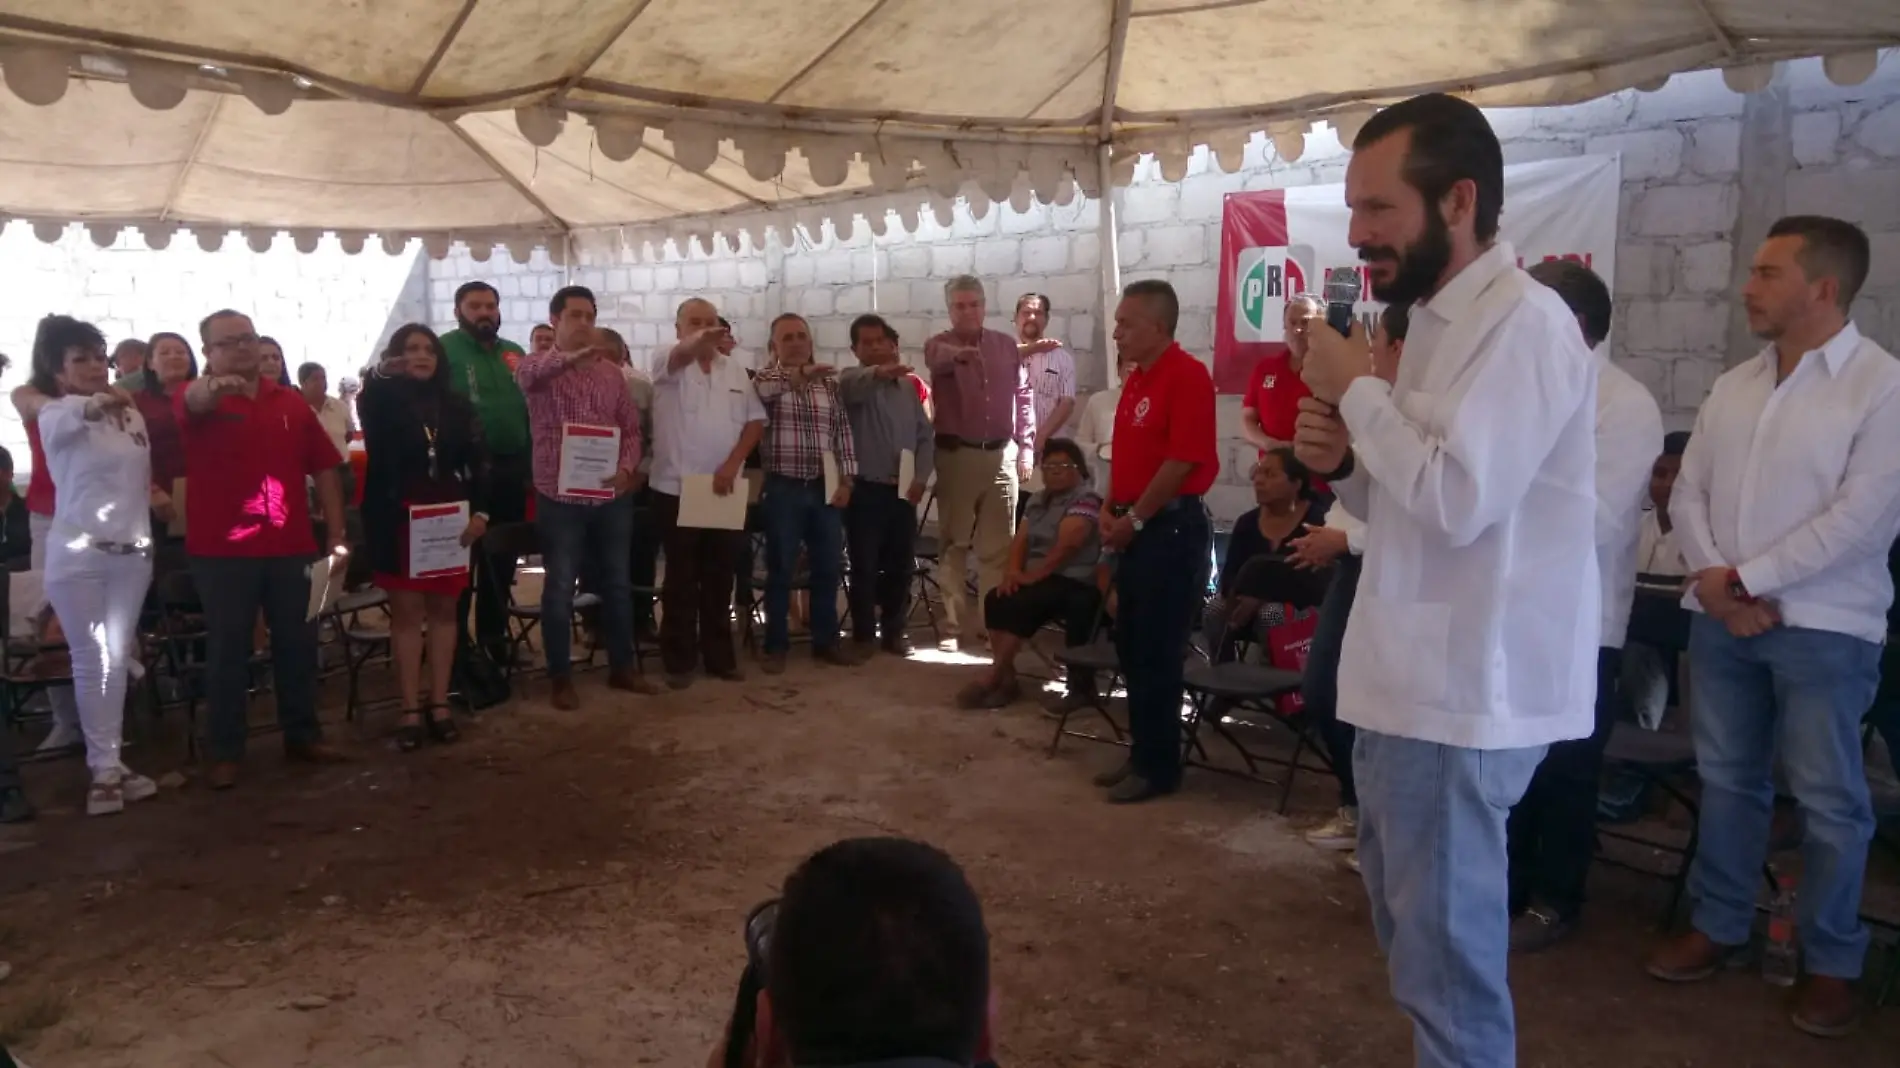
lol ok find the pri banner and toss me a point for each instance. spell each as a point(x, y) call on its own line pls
point(1279, 243)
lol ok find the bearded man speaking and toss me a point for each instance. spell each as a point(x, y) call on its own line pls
point(1472, 645)
point(482, 368)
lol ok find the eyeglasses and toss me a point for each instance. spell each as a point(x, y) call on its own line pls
point(1058, 465)
point(236, 342)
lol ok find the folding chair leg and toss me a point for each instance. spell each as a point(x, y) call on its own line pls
point(1292, 769)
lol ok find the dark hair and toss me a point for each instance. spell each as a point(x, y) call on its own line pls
point(879, 953)
point(1451, 142)
point(151, 384)
point(1047, 308)
point(1830, 248)
point(266, 339)
point(1675, 443)
point(6, 459)
point(1583, 292)
point(1397, 319)
point(538, 327)
point(619, 341)
point(204, 324)
point(55, 335)
point(1159, 293)
point(1068, 447)
point(772, 331)
point(399, 342)
point(477, 286)
point(558, 303)
point(308, 368)
point(1298, 472)
point(870, 322)
point(128, 343)
point(724, 324)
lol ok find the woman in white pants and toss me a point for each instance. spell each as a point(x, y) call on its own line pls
point(98, 553)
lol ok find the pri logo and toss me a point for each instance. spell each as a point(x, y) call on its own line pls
point(1141, 411)
point(1263, 279)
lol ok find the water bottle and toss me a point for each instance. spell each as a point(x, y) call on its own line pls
point(1780, 956)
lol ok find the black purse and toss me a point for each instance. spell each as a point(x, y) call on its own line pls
point(477, 679)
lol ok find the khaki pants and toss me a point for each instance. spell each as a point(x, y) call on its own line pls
point(976, 504)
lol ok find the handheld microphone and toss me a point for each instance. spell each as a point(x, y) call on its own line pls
point(1342, 292)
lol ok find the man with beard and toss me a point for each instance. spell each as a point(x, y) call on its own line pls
point(1471, 646)
point(482, 368)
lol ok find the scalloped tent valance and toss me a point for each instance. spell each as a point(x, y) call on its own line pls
point(512, 123)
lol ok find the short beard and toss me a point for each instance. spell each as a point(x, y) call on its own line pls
point(1421, 264)
point(483, 332)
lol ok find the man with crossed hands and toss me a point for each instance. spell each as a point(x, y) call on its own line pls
point(1471, 645)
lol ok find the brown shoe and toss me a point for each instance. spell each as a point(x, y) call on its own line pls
point(837, 656)
point(313, 753)
point(774, 664)
point(223, 776)
point(1691, 958)
point(1826, 1007)
point(631, 681)
point(896, 644)
point(563, 694)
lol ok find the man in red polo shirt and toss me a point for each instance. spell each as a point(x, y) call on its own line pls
point(249, 445)
point(1165, 459)
point(1272, 403)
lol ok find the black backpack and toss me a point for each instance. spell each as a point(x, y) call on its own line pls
point(477, 679)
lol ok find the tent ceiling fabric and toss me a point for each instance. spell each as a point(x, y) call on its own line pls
point(519, 120)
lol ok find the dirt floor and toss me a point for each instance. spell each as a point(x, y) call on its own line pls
point(567, 889)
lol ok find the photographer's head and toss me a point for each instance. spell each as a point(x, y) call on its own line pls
point(879, 952)
point(1425, 187)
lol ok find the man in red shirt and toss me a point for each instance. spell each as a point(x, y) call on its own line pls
point(1272, 401)
point(249, 446)
point(1165, 459)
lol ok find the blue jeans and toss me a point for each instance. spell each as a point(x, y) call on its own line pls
point(1801, 693)
point(1158, 585)
point(599, 538)
point(1432, 849)
point(797, 513)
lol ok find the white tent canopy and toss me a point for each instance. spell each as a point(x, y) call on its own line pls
point(519, 122)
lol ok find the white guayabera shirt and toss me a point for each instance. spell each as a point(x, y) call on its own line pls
point(1478, 611)
point(1629, 432)
point(1797, 485)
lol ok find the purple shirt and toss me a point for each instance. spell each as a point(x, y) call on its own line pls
point(988, 400)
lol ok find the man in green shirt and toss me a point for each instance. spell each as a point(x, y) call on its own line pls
point(482, 368)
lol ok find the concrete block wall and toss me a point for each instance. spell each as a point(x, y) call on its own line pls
point(327, 306)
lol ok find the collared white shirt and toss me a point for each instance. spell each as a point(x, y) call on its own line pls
point(1338, 518)
point(1051, 378)
point(103, 468)
point(698, 415)
point(640, 388)
point(1629, 432)
point(1478, 610)
point(1096, 428)
point(1797, 485)
point(334, 416)
point(1656, 551)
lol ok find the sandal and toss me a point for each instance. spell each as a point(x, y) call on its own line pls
point(442, 728)
point(409, 732)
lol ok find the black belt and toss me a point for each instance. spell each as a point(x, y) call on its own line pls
point(952, 442)
point(121, 548)
point(819, 481)
point(1176, 504)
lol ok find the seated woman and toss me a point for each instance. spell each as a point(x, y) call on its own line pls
point(1051, 574)
point(1257, 583)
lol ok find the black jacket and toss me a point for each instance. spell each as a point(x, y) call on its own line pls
point(398, 415)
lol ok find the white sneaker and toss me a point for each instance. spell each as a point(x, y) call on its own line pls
point(134, 786)
point(62, 736)
point(1341, 833)
point(106, 795)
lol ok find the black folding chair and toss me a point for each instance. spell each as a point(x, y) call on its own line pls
point(508, 542)
point(1233, 695)
point(362, 640)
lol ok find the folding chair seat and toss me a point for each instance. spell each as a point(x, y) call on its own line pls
point(1096, 659)
point(1248, 694)
point(362, 640)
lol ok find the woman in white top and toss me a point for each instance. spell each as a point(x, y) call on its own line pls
point(98, 556)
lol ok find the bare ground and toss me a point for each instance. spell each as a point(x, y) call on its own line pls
point(568, 890)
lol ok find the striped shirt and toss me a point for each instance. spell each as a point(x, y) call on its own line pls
point(593, 393)
point(1051, 377)
point(803, 424)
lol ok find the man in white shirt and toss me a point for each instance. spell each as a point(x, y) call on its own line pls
point(1658, 630)
point(333, 415)
point(1051, 370)
point(1552, 831)
point(706, 419)
point(1788, 500)
point(1339, 545)
point(1472, 642)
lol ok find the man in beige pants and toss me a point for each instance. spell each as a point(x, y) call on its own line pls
point(986, 431)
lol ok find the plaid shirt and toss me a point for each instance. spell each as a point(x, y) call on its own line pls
point(805, 423)
point(1051, 378)
point(594, 394)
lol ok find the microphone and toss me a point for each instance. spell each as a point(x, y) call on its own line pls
point(1342, 292)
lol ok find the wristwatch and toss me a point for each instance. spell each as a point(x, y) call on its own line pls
point(1136, 521)
point(1737, 589)
point(483, 516)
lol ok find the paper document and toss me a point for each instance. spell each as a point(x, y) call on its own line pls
point(435, 540)
point(702, 509)
point(906, 471)
point(322, 571)
point(831, 475)
point(176, 528)
point(589, 457)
